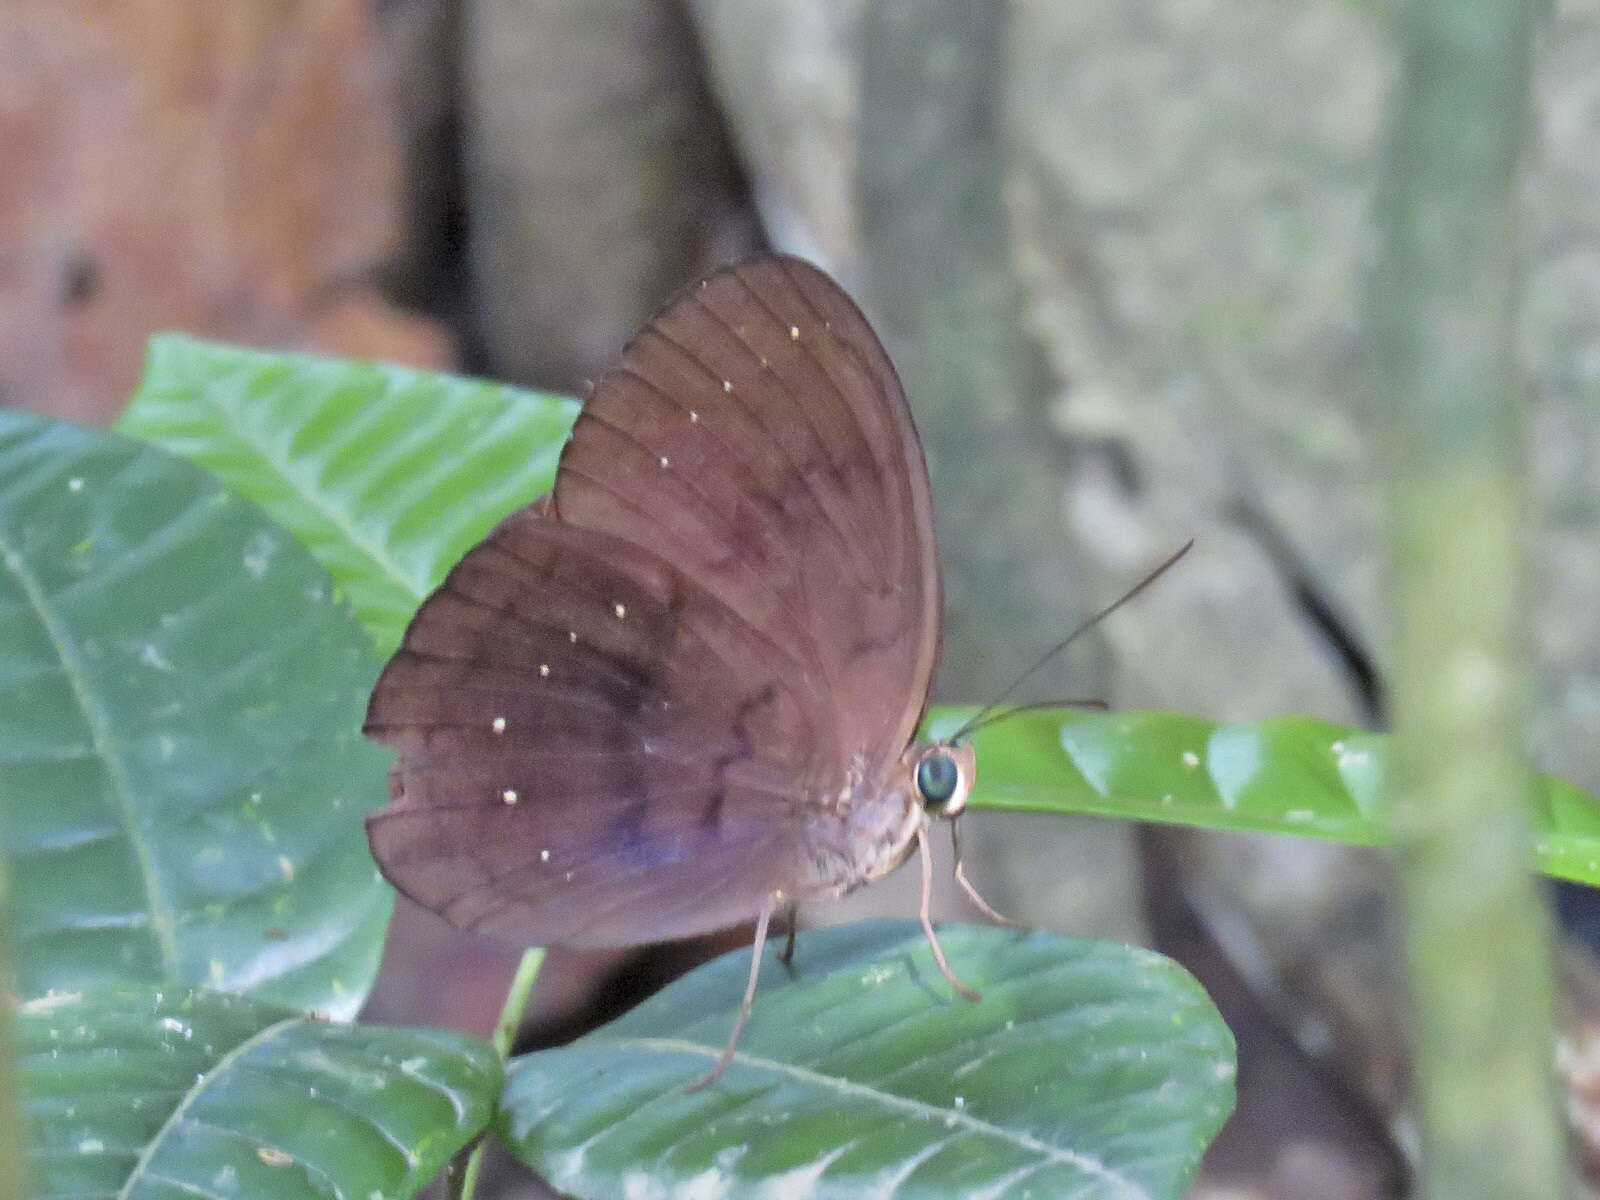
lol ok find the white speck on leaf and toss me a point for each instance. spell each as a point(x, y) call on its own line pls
point(1191, 759)
point(49, 1002)
point(75, 484)
point(258, 554)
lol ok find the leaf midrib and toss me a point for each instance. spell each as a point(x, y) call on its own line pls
point(947, 1116)
point(316, 500)
point(163, 922)
point(141, 1167)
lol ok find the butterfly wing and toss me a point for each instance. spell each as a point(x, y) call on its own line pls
point(620, 714)
point(757, 433)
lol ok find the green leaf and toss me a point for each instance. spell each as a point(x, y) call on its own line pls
point(1088, 1069)
point(136, 1093)
point(182, 777)
point(1283, 775)
point(387, 474)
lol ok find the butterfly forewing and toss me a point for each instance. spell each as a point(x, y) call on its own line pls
point(621, 715)
point(802, 498)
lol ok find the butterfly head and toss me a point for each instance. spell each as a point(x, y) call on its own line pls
point(944, 773)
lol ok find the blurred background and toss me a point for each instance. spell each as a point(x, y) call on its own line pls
point(1115, 247)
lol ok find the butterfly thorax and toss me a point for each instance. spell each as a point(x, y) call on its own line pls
point(868, 825)
point(859, 833)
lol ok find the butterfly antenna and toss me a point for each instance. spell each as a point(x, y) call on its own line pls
point(978, 718)
point(1016, 710)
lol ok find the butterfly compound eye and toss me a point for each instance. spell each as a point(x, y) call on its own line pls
point(938, 781)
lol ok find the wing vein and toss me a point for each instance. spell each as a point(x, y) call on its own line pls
point(847, 555)
point(797, 571)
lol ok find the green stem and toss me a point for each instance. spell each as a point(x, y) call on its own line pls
point(1440, 320)
point(505, 1034)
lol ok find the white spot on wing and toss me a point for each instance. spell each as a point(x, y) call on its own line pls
point(620, 609)
point(544, 670)
point(498, 724)
point(794, 333)
point(665, 462)
point(509, 796)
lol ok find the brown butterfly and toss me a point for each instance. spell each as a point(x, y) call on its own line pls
point(682, 691)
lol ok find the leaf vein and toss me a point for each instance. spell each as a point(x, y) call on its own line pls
point(1089, 1165)
point(162, 920)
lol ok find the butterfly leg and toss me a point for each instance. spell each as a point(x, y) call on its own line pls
point(978, 901)
point(787, 956)
point(927, 920)
point(726, 1056)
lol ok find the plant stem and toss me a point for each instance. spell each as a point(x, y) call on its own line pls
point(1440, 318)
point(505, 1034)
